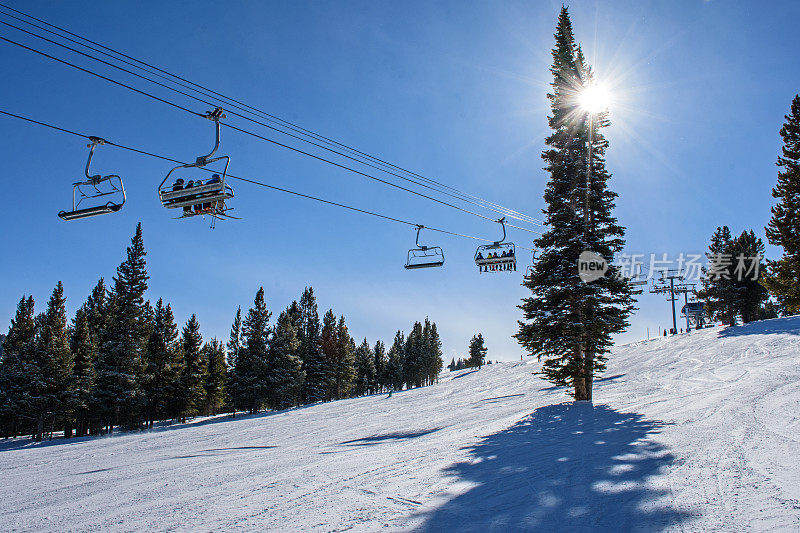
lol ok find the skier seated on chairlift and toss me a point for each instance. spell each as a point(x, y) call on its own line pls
point(205, 207)
point(187, 209)
point(480, 257)
point(219, 205)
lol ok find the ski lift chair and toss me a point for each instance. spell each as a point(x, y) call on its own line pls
point(497, 257)
point(424, 256)
point(530, 269)
point(211, 195)
point(95, 187)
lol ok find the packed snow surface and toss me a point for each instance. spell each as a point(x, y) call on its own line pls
point(700, 432)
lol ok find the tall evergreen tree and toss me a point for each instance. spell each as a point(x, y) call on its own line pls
point(118, 396)
point(717, 291)
point(344, 369)
point(783, 230)
point(235, 341)
point(365, 382)
point(730, 286)
point(216, 377)
point(285, 374)
point(18, 370)
point(477, 351)
point(96, 308)
point(747, 250)
point(568, 322)
point(379, 353)
point(164, 367)
point(249, 388)
point(54, 394)
point(309, 333)
point(194, 370)
point(84, 351)
point(414, 357)
point(396, 362)
point(330, 349)
point(433, 353)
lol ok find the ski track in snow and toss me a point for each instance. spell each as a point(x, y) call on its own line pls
point(700, 432)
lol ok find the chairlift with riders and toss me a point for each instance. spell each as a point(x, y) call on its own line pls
point(196, 197)
point(424, 256)
point(497, 257)
point(95, 187)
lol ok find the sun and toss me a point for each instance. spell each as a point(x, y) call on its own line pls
point(594, 98)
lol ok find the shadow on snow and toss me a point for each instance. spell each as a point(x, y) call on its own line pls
point(567, 467)
point(788, 325)
point(569, 389)
point(392, 437)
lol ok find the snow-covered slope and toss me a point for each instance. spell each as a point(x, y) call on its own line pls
point(695, 433)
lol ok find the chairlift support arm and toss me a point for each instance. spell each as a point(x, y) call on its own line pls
point(420, 227)
point(95, 141)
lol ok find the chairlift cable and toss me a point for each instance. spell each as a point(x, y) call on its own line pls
point(466, 197)
point(247, 180)
point(267, 139)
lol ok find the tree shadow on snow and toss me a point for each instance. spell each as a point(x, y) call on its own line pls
point(567, 467)
point(789, 325)
point(464, 374)
point(390, 437)
point(569, 389)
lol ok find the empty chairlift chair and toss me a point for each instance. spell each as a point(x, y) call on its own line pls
point(424, 256)
point(497, 257)
point(531, 267)
point(205, 198)
point(88, 196)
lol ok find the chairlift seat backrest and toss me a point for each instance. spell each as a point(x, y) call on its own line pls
point(194, 195)
point(499, 248)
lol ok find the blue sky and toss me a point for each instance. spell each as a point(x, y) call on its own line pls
point(452, 90)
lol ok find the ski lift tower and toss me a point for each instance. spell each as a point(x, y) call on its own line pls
point(686, 288)
point(666, 285)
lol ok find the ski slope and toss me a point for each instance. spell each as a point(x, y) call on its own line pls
point(695, 433)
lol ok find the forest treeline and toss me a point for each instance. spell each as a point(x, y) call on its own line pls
point(123, 362)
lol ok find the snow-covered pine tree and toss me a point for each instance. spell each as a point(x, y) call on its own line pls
point(783, 230)
point(379, 353)
point(310, 351)
point(396, 362)
point(53, 399)
point(365, 370)
point(216, 377)
point(18, 370)
point(477, 351)
point(567, 322)
point(84, 352)
point(118, 397)
point(249, 387)
point(194, 370)
point(285, 374)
